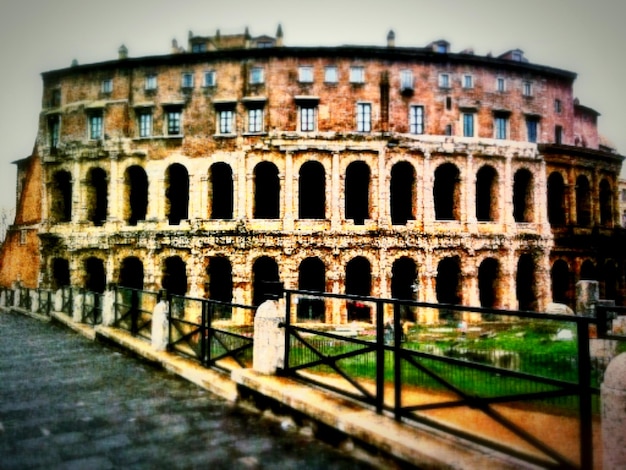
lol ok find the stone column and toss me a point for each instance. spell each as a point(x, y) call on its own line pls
point(508, 220)
point(269, 339)
point(426, 190)
point(613, 397)
point(470, 196)
point(288, 194)
point(335, 200)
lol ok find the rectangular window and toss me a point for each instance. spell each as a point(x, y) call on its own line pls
point(151, 82)
point(500, 84)
point(256, 76)
point(527, 89)
point(307, 118)
point(416, 119)
point(55, 98)
point(558, 134)
point(330, 74)
point(187, 80)
point(468, 124)
point(406, 79)
point(255, 120)
point(444, 80)
point(448, 130)
point(210, 78)
point(22, 237)
point(363, 117)
point(557, 106)
point(145, 123)
point(357, 75)
point(226, 118)
point(500, 126)
point(468, 81)
point(305, 74)
point(95, 126)
point(174, 122)
point(54, 126)
point(107, 86)
point(532, 128)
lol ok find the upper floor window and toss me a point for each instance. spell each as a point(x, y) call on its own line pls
point(416, 119)
point(305, 74)
point(444, 80)
point(255, 120)
point(357, 74)
point(210, 78)
point(151, 82)
point(448, 129)
point(95, 125)
point(468, 124)
point(500, 124)
point(557, 106)
point(55, 98)
point(256, 76)
point(468, 81)
point(187, 80)
point(226, 121)
point(558, 134)
point(307, 118)
point(532, 128)
point(330, 74)
point(527, 88)
point(54, 126)
point(106, 86)
point(363, 117)
point(406, 79)
point(145, 122)
point(173, 118)
point(500, 84)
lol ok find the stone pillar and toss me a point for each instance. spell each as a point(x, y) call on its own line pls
point(108, 307)
point(57, 305)
point(34, 300)
point(160, 323)
point(77, 304)
point(587, 295)
point(269, 339)
point(613, 397)
point(335, 199)
point(288, 200)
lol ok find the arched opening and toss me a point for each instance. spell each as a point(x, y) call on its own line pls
point(177, 193)
point(264, 274)
point(136, 197)
point(486, 194)
point(610, 282)
point(220, 285)
point(402, 193)
point(556, 199)
point(357, 193)
point(97, 198)
point(606, 203)
point(311, 277)
point(588, 271)
point(525, 283)
point(221, 191)
point(560, 277)
point(488, 288)
point(60, 273)
point(61, 197)
point(174, 276)
point(358, 282)
point(523, 196)
point(404, 285)
point(446, 192)
point(266, 191)
point(131, 273)
point(312, 191)
point(448, 287)
point(95, 276)
point(583, 202)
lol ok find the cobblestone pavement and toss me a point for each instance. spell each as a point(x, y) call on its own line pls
point(66, 402)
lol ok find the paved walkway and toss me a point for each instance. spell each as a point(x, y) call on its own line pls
point(67, 402)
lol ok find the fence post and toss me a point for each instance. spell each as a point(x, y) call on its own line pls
point(160, 323)
point(34, 300)
point(269, 338)
point(77, 306)
point(108, 306)
point(613, 397)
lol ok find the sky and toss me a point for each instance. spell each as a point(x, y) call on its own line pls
point(582, 36)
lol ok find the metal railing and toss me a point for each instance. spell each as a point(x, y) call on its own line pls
point(92, 307)
point(610, 325)
point(133, 310)
point(410, 382)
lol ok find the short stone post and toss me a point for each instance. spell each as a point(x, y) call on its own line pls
point(57, 301)
point(108, 307)
point(613, 396)
point(160, 322)
point(17, 294)
point(77, 305)
point(269, 338)
point(587, 295)
point(34, 300)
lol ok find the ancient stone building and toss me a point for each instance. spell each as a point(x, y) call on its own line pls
point(395, 172)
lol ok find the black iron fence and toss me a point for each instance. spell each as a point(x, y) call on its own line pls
point(473, 372)
point(133, 310)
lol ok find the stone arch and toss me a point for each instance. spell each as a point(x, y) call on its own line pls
point(609, 285)
point(60, 273)
point(358, 282)
point(448, 286)
point(266, 191)
point(311, 277)
point(447, 192)
point(312, 191)
point(177, 193)
point(219, 279)
point(606, 203)
point(221, 191)
point(486, 194)
point(174, 278)
point(404, 285)
point(523, 196)
point(588, 271)
point(556, 199)
point(357, 192)
point(402, 193)
point(95, 275)
point(131, 273)
point(561, 282)
point(61, 197)
point(489, 283)
point(136, 194)
point(526, 282)
point(97, 196)
point(264, 271)
point(583, 201)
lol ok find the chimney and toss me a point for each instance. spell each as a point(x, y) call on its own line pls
point(279, 36)
point(246, 35)
point(122, 52)
point(175, 49)
point(391, 39)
